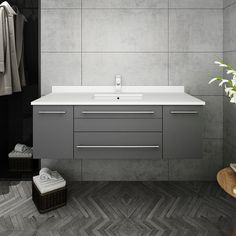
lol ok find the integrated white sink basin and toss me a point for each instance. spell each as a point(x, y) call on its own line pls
point(127, 95)
point(118, 96)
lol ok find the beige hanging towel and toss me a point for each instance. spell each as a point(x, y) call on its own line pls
point(9, 74)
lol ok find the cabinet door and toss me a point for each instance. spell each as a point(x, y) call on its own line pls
point(53, 132)
point(182, 132)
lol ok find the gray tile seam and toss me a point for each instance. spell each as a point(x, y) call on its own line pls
point(219, 139)
point(168, 44)
point(130, 8)
point(139, 52)
point(81, 42)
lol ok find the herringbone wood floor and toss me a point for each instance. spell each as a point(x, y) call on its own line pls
point(121, 208)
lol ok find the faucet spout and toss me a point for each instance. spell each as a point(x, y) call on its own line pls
point(118, 83)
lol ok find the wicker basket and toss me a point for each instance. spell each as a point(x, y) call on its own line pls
point(20, 164)
point(49, 201)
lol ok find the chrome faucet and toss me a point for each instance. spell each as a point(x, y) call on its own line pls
point(118, 83)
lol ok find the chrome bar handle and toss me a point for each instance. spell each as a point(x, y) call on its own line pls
point(107, 146)
point(51, 112)
point(118, 112)
point(184, 112)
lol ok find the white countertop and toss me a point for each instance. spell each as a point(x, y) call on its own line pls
point(151, 95)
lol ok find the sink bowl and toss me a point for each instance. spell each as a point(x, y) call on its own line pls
point(118, 96)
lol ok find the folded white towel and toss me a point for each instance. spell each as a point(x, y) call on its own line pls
point(49, 185)
point(26, 154)
point(20, 147)
point(46, 174)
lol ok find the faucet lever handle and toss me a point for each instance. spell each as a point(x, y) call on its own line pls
point(118, 79)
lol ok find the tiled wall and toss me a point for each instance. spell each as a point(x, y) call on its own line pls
point(148, 42)
point(230, 58)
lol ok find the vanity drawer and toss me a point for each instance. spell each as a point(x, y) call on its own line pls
point(118, 125)
point(118, 112)
point(118, 145)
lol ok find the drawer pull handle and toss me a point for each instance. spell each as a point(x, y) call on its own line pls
point(184, 112)
point(118, 112)
point(82, 146)
point(52, 112)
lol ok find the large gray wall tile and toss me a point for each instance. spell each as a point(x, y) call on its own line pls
point(228, 2)
point(135, 68)
point(194, 71)
point(125, 30)
point(230, 58)
point(229, 154)
point(229, 28)
point(59, 69)
point(200, 169)
point(196, 4)
point(60, 4)
point(124, 4)
point(213, 116)
point(61, 30)
point(72, 171)
point(130, 170)
point(196, 30)
point(229, 122)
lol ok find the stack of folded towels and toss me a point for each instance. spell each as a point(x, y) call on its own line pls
point(48, 180)
point(21, 151)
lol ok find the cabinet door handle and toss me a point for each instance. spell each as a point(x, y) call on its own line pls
point(184, 112)
point(118, 112)
point(107, 146)
point(52, 112)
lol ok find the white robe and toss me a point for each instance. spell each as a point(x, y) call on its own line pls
point(9, 73)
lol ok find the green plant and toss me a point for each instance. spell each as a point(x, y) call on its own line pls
point(230, 84)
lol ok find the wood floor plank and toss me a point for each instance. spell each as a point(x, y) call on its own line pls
point(120, 209)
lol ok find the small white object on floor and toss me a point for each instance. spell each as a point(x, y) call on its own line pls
point(28, 153)
point(50, 184)
point(46, 174)
point(234, 190)
point(233, 166)
point(20, 147)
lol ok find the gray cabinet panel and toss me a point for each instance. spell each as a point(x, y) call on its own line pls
point(53, 132)
point(118, 112)
point(118, 125)
point(118, 154)
point(118, 145)
point(182, 132)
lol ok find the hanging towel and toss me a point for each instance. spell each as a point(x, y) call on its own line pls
point(5, 68)
point(19, 28)
point(9, 76)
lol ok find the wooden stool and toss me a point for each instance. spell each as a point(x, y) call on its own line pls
point(227, 180)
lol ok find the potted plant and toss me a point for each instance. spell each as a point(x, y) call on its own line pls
point(230, 84)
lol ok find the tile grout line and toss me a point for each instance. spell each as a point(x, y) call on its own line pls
point(137, 52)
point(81, 44)
point(132, 8)
point(168, 76)
point(81, 70)
point(168, 43)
